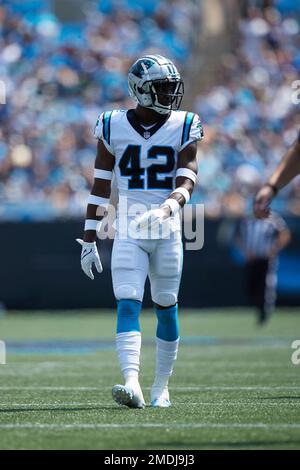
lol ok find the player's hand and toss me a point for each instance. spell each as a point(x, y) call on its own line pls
point(152, 219)
point(262, 201)
point(89, 255)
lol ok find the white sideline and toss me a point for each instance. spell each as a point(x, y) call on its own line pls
point(175, 388)
point(153, 425)
point(41, 405)
point(224, 403)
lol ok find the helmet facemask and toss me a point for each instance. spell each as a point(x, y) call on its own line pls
point(166, 95)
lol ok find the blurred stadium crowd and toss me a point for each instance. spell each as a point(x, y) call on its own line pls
point(59, 77)
point(250, 118)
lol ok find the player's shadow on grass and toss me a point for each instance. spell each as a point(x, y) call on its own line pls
point(216, 444)
point(55, 408)
point(280, 398)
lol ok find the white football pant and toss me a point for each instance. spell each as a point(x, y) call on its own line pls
point(160, 259)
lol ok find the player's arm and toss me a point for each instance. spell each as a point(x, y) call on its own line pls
point(288, 168)
point(186, 175)
point(187, 165)
point(98, 201)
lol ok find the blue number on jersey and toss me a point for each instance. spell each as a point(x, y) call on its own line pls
point(130, 166)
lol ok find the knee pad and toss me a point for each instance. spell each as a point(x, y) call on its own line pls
point(164, 298)
point(125, 291)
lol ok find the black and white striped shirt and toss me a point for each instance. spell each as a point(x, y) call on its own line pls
point(258, 236)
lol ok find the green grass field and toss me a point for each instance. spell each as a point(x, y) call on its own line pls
point(234, 385)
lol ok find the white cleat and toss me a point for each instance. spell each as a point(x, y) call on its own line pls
point(122, 395)
point(125, 395)
point(161, 400)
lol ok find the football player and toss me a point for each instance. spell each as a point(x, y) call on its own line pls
point(288, 168)
point(151, 150)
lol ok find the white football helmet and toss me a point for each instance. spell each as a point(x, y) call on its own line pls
point(154, 81)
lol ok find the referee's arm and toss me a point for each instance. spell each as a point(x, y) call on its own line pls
point(283, 239)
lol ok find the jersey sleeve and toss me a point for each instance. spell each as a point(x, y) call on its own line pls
point(102, 130)
point(192, 130)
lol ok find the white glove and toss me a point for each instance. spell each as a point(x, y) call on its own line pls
point(89, 255)
point(150, 219)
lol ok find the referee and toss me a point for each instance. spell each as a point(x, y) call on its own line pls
point(260, 242)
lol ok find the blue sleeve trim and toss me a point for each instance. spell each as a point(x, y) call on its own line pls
point(106, 126)
point(187, 127)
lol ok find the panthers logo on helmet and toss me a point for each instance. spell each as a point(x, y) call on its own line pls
point(140, 67)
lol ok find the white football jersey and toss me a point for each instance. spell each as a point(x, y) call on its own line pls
point(146, 158)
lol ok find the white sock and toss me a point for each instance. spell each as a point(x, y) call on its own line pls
point(129, 348)
point(166, 354)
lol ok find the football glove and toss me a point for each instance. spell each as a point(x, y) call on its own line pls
point(150, 219)
point(89, 255)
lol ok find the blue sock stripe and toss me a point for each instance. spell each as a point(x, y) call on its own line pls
point(128, 312)
point(167, 323)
